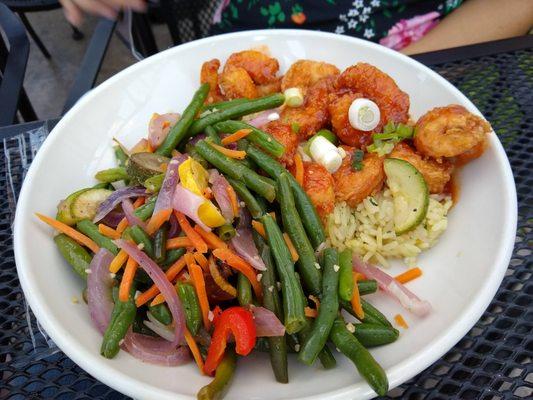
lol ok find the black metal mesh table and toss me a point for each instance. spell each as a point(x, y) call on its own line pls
point(493, 361)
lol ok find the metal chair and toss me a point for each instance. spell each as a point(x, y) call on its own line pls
point(24, 6)
point(13, 60)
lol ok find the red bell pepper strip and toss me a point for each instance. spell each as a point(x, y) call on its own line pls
point(240, 323)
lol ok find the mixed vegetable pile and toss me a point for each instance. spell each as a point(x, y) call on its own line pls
point(200, 242)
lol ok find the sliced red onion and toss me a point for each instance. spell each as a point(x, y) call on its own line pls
point(188, 203)
point(130, 215)
point(175, 228)
point(266, 322)
point(159, 127)
point(219, 187)
point(115, 198)
point(99, 283)
point(164, 198)
point(197, 138)
point(155, 350)
point(264, 117)
point(162, 283)
point(113, 218)
point(243, 242)
point(391, 286)
point(161, 329)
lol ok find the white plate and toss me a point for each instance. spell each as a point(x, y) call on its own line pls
point(461, 274)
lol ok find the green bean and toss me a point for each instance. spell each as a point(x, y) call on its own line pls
point(235, 111)
point(140, 237)
point(223, 375)
point(271, 301)
point(172, 256)
point(122, 317)
point(306, 209)
point(212, 134)
point(257, 136)
point(112, 175)
point(367, 366)
point(160, 242)
point(242, 145)
point(191, 306)
point(89, 229)
point(367, 286)
point(311, 276)
point(346, 282)
point(222, 105)
point(179, 131)
point(325, 356)
point(252, 204)
point(161, 313)
point(78, 258)
point(371, 335)
point(329, 308)
point(146, 210)
point(103, 185)
point(226, 232)
point(236, 170)
point(372, 314)
point(244, 290)
point(293, 301)
point(154, 183)
point(120, 155)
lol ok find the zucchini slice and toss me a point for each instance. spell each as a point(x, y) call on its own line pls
point(85, 205)
point(63, 208)
point(410, 194)
point(141, 166)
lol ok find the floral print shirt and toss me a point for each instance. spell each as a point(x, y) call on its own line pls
point(393, 23)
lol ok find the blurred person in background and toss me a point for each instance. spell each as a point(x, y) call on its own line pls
point(409, 26)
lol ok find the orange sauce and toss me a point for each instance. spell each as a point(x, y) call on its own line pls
point(452, 188)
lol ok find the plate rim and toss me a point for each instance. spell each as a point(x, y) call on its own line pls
point(397, 374)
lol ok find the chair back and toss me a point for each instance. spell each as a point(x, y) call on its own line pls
point(13, 60)
point(188, 19)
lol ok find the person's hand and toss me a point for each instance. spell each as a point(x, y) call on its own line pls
point(74, 9)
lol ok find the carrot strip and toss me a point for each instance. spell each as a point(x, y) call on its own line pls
point(233, 199)
point(127, 279)
point(157, 220)
point(237, 154)
point(409, 275)
point(194, 350)
point(153, 291)
point(122, 225)
point(69, 231)
point(107, 231)
point(212, 240)
point(400, 321)
point(236, 262)
point(292, 249)
point(240, 134)
point(118, 261)
point(177, 242)
point(159, 299)
point(310, 312)
point(219, 279)
point(189, 259)
point(197, 276)
point(139, 202)
point(273, 215)
point(259, 228)
point(201, 260)
point(299, 169)
point(356, 299)
point(195, 238)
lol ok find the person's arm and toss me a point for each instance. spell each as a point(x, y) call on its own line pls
point(74, 9)
point(477, 21)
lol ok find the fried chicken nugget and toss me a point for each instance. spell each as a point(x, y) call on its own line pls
point(319, 186)
point(313, 115)
point(367, 81)
point(354, 186)
point(284, 134)
point(304, 73)
point(269, 88)
point(209, 74)
point(261, 68)
point(450, 131)
point(436, 174)
point(236, 83)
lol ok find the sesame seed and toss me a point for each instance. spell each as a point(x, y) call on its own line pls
point(242, 204)
point(75, 300)
point(88, 271)
point(336, 348)
point(336, 268)
point(317, 265)
point(121, 342)
point(297, 347)
point(210, 316)
point(270, 289)
point(350, 327)
point(259, 276)
point(137, 294)
point(278, 284)
point(273, 116)
point(140, 246)
point(112, 275)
